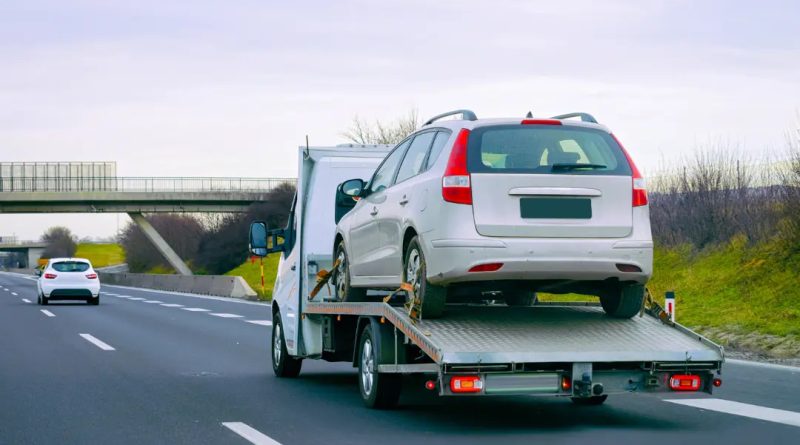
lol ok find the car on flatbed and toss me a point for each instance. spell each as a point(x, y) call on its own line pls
point(68, 279)
point(473, 209)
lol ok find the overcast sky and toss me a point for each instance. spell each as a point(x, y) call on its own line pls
point(213, 88)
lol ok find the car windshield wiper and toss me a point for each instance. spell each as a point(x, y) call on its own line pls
point(569, 167)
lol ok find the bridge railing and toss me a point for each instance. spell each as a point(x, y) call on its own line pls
point(141, 184)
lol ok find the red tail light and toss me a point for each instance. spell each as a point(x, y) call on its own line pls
point(466, 383)
point(488, 267)
point(684, 382)
point(92, 276)
point(456, 186)
point(639, 188)
point(50, 276)
point(566, 383)
point(541, 122)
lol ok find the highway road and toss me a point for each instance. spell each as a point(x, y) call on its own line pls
point(150, 367)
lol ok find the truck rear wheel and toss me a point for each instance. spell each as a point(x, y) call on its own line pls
point(283, 364)
point(345, 292)
point(378, 390)
point(622, 301)
point(433, 297)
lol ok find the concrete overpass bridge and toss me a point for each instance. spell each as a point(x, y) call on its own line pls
point(134, 196)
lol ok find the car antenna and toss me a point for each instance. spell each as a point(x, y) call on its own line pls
point(529, 115)
point(307, 154)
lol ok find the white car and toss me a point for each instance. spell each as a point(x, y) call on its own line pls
point(476, 209)
point(68, 279)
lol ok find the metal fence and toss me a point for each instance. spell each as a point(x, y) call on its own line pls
point(139, 184)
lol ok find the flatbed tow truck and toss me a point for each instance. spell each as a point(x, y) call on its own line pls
point(570, 350)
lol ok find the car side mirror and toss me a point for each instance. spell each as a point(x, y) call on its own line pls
point(263, 241)
point(353, 188)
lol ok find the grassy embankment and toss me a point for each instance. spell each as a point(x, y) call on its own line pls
point(101, 255)
point(252, 274)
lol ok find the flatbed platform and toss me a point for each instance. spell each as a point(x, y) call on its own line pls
point(544, 333)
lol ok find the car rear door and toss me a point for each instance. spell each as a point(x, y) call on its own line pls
point(549, 181)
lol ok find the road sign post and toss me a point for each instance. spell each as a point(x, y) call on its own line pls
point(669, 300)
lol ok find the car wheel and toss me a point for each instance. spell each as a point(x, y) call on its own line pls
point(520, 297)
point(378, 390)
point(623, 301)
point(432, 297)
point(94, 301)
point(38, 298)
point(590, 401)
point(342, 288)
point(45, 300)
point(283, 364)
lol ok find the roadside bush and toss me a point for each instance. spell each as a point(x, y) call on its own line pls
point(60, 242)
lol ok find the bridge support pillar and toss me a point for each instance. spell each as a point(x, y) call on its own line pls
point(160, 244)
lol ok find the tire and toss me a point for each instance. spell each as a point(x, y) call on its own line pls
point(94, 301)
point(590, 401)
point(283, 364)
point(342, 289)
point(45, 300)
point(433, 297)
point(623, 301)
point(378, 390)
point(39, 299)
point(520, 297)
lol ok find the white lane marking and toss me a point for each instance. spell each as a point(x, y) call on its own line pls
point(123, 296)
point(26, 300)
point(171, 305)
point(48, 313)
point(14, 294)
point(195, 309)
point(152, 301)
point(93, 340)
point(224, 315)
point(250, 434)
point(186, 294)
point(743, 409)
point(261, 322)
point(5, 289)
point(763, 365)
point(137, 298)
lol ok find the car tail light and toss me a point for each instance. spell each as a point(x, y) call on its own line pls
point(684, 382)
point(488, 267)
point(466, 383)
point(456, 187)
point(541, 122)
point(50, 276)
point(91, 276)
point(639, 186)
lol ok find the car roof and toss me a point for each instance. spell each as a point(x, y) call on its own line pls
point(455, 124)
point(84, 260)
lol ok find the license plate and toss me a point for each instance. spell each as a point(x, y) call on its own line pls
point(555, 208)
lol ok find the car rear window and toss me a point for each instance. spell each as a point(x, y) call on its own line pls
point(545, 149)
point(71, 266)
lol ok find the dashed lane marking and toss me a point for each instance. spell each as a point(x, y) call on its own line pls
point(260, 322)
point(152, 301)
point(171, 305)
point(95, 341)
point(250, 434)
point(195, 309)
point(743, 409)
point(224, 315)
point(137, 298)
point(26, 300)
point(48, 313)
point(14, 294)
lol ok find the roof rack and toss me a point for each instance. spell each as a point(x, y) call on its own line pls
point(467, 115)
point(585, 117)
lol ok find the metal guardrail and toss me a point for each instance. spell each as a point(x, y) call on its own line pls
point(141, 184)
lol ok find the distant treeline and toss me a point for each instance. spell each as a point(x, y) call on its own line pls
point(210, 244)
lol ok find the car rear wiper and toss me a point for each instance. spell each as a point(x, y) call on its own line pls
point(565, 167)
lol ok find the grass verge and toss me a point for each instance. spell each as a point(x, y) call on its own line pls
point(251, 272)
point(101, 255)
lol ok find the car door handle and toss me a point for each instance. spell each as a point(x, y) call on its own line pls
point(404, 201)
point(374, 211)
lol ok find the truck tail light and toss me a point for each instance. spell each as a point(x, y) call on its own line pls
point(639, 186)
point(456, 184)
point(488, 267)
point(566, 383)
point(684, 382)
point(91, 276)
point(466, 383)
point(50, 276)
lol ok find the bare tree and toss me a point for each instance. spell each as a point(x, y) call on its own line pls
point(60, 242)
point(363, 132)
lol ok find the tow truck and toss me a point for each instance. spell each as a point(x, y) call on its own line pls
point(569, 350)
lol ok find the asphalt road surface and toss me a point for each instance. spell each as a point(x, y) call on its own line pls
point(150, 367)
